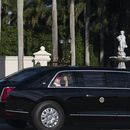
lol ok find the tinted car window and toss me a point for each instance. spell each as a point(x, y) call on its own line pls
point(115, 79)
point(64, 79)
point(91, 79)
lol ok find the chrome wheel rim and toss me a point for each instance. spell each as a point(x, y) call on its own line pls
point(50, 117)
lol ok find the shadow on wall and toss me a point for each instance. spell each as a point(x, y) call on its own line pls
point(2, 67)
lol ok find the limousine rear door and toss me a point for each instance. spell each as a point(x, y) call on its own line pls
point(102, 93)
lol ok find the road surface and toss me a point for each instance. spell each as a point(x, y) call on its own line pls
point(4, 126)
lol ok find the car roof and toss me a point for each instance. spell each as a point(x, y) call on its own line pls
point(61, 68)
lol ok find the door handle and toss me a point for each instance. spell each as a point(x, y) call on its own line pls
point(88, 95)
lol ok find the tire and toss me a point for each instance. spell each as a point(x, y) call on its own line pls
point(17, 123)
point(48, 115)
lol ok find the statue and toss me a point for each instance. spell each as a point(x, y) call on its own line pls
point(121, 57)
point(122, 44)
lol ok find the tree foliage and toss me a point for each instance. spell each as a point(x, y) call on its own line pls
point(107, 18)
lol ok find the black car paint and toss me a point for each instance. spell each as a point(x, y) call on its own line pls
point(76, 101)
point(83, 101)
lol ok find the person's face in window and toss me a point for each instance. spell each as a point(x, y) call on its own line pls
point(57, 80)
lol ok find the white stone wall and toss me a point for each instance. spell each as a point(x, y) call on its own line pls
point(9, 64)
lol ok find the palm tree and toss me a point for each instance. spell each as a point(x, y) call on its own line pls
point(102, 16)
point(20, 5)
point(72, 32)
point(54, 31)
point(34, 12)
point(87, 21)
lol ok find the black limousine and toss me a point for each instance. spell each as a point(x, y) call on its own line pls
point(46, 97)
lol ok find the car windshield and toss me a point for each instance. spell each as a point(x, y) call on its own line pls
point(22, 75)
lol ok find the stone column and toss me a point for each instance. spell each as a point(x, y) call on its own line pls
point(42, 57)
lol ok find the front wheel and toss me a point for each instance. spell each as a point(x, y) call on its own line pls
point(48, 115)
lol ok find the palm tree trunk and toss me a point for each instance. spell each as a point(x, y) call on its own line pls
point(87, 21)
point(102, 47)
point(54, 31)
point(72, 32)
point(20, 4)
